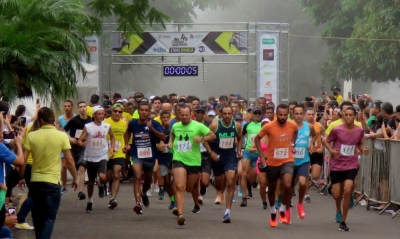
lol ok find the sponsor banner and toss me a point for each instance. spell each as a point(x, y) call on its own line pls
point(169, 43)
point(268, 66)
point(93, 43)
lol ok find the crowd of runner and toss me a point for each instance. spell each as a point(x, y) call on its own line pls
point(176, 145)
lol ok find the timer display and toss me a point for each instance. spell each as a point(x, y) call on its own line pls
point(181, 70)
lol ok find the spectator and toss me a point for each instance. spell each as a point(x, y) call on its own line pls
point(388, 114)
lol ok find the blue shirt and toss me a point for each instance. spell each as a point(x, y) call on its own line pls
point(303, 139)
point(6, 157)
point(144, 141)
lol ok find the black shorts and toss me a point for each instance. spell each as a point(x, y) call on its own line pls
point(116, 161)
point(189, 169)
point(341, 176)
point(205, 163)
point(275, 172)
point(147, 165)
point(79, 158)
point(317, 158)
point(95, 168)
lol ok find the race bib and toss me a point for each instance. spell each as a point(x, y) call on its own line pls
point(97, 143)
point(347, 150)
point(117, 146)
point(226, 143)
point(78, 133)
point(144, 152)
point(184, 146)
point(202, 148)
point(281, 153)
point(300, 152)
point(252, 137)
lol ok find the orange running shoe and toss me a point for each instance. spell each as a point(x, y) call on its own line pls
point(282, 217)
point(272, 221)
point(287, 217)
point(300, 211)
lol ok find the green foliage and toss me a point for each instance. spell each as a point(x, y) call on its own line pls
point(362, 57)
point(37, 49)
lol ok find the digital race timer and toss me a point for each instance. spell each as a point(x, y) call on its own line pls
point(181, 70)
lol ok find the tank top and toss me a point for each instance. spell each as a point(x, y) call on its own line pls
point(318, 142)
point(97, 148)
point(253, 129)
point(264, 148)
point(224, 145)
point(303, 139)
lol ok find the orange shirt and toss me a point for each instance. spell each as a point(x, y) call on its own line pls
point(317, 145)
point(279, 142)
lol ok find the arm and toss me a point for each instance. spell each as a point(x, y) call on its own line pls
point(19, 160)
point(264, 131)
point(112, 143)
point(157, 130)
point(239, 140)
point(70, 164)
point(83, 137)
point(322, 128)
point(171, 138)
point(36, 112)
point(58, 125)
point(313, 134)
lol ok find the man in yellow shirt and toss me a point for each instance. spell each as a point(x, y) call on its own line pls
point(94, 101)
point(343, 107)
point(165, 107)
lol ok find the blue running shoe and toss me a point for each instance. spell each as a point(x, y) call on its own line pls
point(226, 218)
point(338, 217)
point(240, 192)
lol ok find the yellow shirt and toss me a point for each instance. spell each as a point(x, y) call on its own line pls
point(127, 116)
point(89, 111)
point(337, 123)
point(29, 160)
point(339, 99)
point(135, 114)
point(158, 118)
point(118, 128)
point(46, 144)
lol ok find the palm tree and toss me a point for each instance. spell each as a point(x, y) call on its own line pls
point(38, 49)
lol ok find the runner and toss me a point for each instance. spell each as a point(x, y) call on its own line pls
point(75, 127)
point(346, 139)
point(114, 165)
point(185, 139)
point(249, 160)
point(281, 147)
point(97, 152)
point(143, 152)
point(94, 101)
point(225, 153)
point(269, 113)
point(302, 156)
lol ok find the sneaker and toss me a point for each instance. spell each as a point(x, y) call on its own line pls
point(250, 195)
point(156, 189)
point(81, 196)
point(24, 226)
point(113, 203)
point(64, 191)
point(145, 200)
point(203, 190)
point(288, 213)
point(272, 220)
point(218, 200)
point(307, 198)
point(172, 205)
point(200, 200)
point(282, 217)
point(196, 209)
point(343, 227)
point(244, 202)
point(226, 218)
point(181, 220)
point(89, 207)
point(255, 184)
point(300, 211)
point(175, 211)
point(351, 202)
point(338, 217)
point(264, 205)
point(234, 198)
point(148, 193)
point(101, 191)
point(138, 209)
point(240, 192)
point(161, 194)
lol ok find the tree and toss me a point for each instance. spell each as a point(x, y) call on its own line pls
point(368, 48)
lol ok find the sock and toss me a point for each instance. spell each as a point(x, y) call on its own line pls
point(282, 208)
point(112, 198)
point(273, 210)
point(228, 211)
point(172, 198)
point(90, 200)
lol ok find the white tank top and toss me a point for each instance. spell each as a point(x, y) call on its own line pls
point(97, 148)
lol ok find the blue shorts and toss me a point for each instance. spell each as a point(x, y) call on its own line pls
point(250, 156)
point(301, 170)
point(219, 168)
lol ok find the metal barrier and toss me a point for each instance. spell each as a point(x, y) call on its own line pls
point(363, 180)
point(394, 172)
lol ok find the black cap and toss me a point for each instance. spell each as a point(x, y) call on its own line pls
point(238, 116)
point(257, 108)
point(107, 103)
point(200, 108)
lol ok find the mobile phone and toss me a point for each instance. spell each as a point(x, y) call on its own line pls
point(360, 96)
point(308, 99)
point(322, 88)
point(12, 210)
point(22, 122)
point(37, 101)
point(349, 94)
point(353, 97)
point(373, 122)
point(327, 112)
point(9, 135)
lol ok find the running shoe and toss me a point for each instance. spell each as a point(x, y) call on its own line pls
point(226, 218)
point(200, 200)
point(307, 198)
point(300, 211)
point(351, 202)
point(64, 191)
point(282, 217)
point(218, 200)
point(249, 195)
point(264, 205)
point(288, 215)
point(196, 209)
point(181, 220)
point(101, 191)
point(89, 207)
point(338, 217)
point(240, 192)
point(272, 221)
point(81, 196)
point(138, 209)
point(175, 211)
point(156, 188)
point(172, 205)
point(255, 184)
point(24, 226)
point(244, 202)
point(234, 198)
point(203, 190)
point(161, 194)
point(145, 200)
point(113, 203)
point(343, 227)
point(148, 193)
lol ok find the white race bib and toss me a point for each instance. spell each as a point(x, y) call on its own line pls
point(300, 152)
point(202, 148)
point(226, 143)
point(281, 153)
point(97, 143)
point(347, 150)
point(78, 133)
point(184, 146)
point(117, 146)
point(144, 152)
point(252, 137)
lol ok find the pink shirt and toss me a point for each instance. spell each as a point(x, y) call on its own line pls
point(346, 143)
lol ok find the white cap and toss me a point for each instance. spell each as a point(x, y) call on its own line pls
point(151, 97)
point(96, 108)
point(124, 100)
point(211, 112)
point(119, 101)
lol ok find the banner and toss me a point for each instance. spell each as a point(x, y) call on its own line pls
point(200, 43)
point(268, 66)
point(93, 43)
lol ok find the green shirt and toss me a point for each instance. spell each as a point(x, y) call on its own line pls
point(252, 130)
point(370, 119)
point(186, 150)
point(135, 114)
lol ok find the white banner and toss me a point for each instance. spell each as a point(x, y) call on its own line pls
point(268, 66)
point(93, 43)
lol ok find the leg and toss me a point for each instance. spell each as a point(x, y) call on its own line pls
point(246, 166)
point(286, 182)
point(116, 171)
point(63, 174)
point(337, 193)
point(262, 180)
point(196, 192)
point(180, 177)
point(137, 172)
point(303, 185)
point(81, 178)
point(348, 187)
point(230, 182)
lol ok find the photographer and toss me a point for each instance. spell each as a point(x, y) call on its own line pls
point(337, 95)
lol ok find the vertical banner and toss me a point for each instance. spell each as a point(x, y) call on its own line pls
point(93, 43)
point(268, 65)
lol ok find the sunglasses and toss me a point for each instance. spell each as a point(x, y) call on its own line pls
point(118, 111)
point(257, 113)
point(200, 112)
point(238, 120)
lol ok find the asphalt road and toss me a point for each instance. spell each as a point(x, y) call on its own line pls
point(250, 222)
